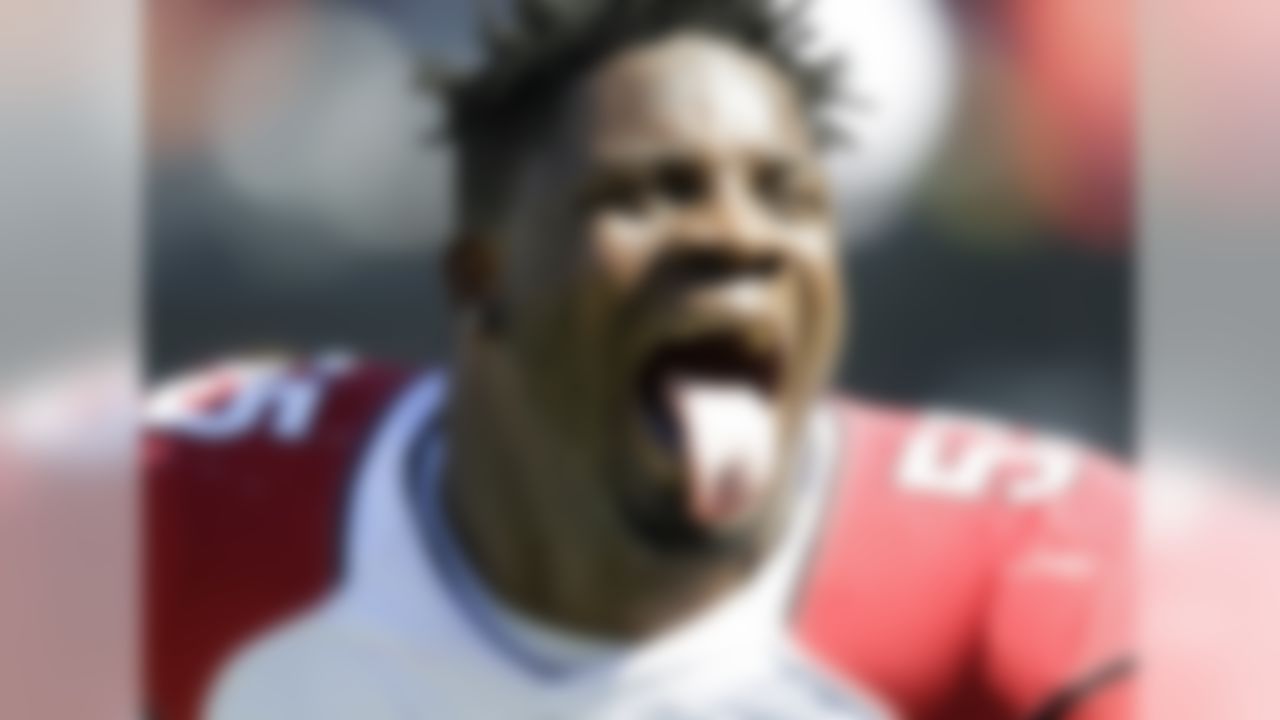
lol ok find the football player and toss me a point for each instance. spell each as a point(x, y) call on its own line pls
point(631, 494)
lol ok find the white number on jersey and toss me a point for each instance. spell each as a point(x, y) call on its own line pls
point(264, 394)
point(962, 459)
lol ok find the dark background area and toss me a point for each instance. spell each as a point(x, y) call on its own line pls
point(1000, 284)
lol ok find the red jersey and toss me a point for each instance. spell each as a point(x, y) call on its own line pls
point(953, 568)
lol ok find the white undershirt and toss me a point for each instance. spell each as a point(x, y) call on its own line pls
point(567, 650)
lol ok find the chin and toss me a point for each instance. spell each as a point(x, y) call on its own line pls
point(660, 520)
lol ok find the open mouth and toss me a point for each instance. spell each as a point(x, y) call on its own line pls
point(721, 359)
point(712, 403)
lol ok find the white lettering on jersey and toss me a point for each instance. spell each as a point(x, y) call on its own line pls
point(961, 459)
point(265, 394)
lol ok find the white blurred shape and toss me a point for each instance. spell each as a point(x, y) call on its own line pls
point(901, 72)
point(1210, 635)
point(69, 195)
point(319, 117)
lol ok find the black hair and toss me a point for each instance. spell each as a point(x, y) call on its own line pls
point(495, 112)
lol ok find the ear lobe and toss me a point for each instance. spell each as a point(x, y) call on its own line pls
point(471, 268)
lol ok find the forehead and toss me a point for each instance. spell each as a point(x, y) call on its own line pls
point(691, 93)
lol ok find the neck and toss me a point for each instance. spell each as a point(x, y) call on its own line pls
point(547, 548)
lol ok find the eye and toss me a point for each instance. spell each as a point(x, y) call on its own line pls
point(785, 190)
point(625, 193)
point(679, 182)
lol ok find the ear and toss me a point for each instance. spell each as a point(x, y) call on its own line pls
point(471, 269)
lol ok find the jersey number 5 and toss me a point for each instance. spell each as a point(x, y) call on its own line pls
point(261, 397)
point(963, 459)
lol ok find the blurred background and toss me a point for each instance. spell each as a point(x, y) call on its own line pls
point(299, 194)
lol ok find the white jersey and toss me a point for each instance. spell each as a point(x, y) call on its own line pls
point(298, 566)
point(409, 632)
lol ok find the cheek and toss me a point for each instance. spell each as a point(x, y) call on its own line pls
point(538, 299)
point(566, 313)
point(619, 250)
point(821, 296)
point(612, 268)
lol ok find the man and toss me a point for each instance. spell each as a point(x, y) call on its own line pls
point(630, 496)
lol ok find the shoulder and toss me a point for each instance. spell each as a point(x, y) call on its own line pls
point(262, 434)
point(971, 492)
point(278, 401)
point(247, 467)
point(981, 463)
point(957, 542)
point(994, 484)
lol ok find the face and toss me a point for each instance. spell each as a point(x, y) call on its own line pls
point(670, 289)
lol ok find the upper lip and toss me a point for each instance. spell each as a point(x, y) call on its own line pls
point(721, 355)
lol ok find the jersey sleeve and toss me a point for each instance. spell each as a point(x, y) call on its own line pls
point(246, 467)
point(1059, 640)
point(972, 570)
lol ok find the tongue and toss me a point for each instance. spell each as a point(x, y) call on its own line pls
point(730, 440)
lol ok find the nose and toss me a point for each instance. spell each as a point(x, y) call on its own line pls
point(723, 237)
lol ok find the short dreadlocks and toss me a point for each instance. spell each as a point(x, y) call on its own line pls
point(495, 113)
